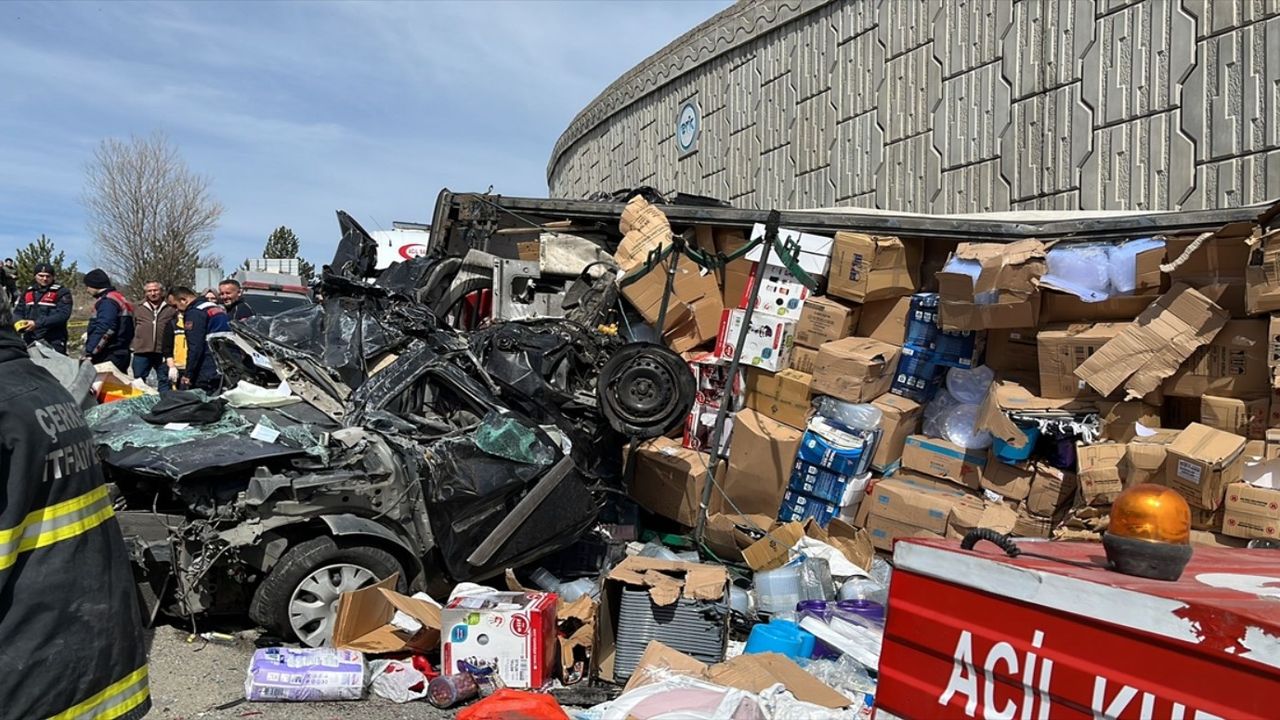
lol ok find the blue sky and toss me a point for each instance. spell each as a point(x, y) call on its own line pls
point(297, 109)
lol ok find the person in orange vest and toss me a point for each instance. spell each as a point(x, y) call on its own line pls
point(111, 325)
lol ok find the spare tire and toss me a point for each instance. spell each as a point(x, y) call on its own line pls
point(645, 390)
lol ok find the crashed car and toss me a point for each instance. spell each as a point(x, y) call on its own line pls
point(362, 438)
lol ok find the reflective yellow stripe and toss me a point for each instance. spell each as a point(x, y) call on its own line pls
point(119, 698)
point(53, 511)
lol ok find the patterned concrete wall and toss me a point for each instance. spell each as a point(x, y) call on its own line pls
point(950, 106)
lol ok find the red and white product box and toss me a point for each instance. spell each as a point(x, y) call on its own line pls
point(711, 376)
point(975, 634)
point(513, 633)
point(781, 294)
point(768, 343)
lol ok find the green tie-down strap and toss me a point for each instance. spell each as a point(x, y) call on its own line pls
point(787, 255)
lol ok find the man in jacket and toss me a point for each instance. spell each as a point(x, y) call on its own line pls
point(43, 310)
point(233, 300)
point(200, 318)
point(149, 321)
point(111, 325)
point(71, 642)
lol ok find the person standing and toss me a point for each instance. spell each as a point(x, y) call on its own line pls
point(199, 319)
point(111, 325)
point(43, 310)
point(9, 281)
point(151, 316)
point(233, 300)
point(71, 641)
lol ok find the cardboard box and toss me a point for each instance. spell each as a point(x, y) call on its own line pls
point(364, 621)
point(823, 319)
point(1249, 500)
point(1202, 462)
point(735, 282)
point(768, 344)
point(1057, 307)
point(901, 418)
point(669, 479)
point(1233, 364)
point(783, 396)
point(821, 483)
point(1006, 397)
point(854, 369)
point(1151, 349)
point(916, 501)
point(1273, 444)
point(1013, 350)
point(944, 460)
point(759, 466)
point(1052, 490)
point(1242, 417)
point(713, 388)
point(1032, 526)
point(1273, 341)
point(1009, 273)
point(884, 532)
point(885, 320)
point(1011, 481)
point(973, 513)
point(873, 267)
point(814, 255)
point(1218, 267)
point(1207, 520)
point(781, 294)
point(700, 425)
point(1200, 538)
point(1262, 275)
point(1101, 472)
point(1256, 449)
point(1242, 525)
point(1146, 456)
point(1062, 350)
point(804, 359)
point(798, 507)
point(773, 550)
point(1120, 417)
point(512, 632)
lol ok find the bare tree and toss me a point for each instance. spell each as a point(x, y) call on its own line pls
point(152, 217)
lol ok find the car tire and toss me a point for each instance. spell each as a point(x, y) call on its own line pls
point(298, 597)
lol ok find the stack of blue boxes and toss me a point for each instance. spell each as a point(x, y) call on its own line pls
point(831, 457)
point(928, 351)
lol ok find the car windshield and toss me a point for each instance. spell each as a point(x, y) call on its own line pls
point(271, 305)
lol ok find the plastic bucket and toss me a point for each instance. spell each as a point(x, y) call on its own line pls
point(772, 638)
point(1009, 454)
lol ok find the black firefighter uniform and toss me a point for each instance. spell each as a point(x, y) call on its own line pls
point(71, 643)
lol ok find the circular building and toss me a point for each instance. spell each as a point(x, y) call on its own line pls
point(944, 106)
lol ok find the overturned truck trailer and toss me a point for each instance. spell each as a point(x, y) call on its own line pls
point(363, 438)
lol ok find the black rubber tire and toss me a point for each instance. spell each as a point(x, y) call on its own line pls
point(445, 307)
point(270, 606)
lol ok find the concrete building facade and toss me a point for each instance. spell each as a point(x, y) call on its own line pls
point(947, 106)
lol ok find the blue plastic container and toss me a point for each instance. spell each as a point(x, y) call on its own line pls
point(780, 636)
point(1008, 454)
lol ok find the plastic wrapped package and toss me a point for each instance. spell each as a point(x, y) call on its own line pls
point(815, 579)
point(847, 677)
point(959, 426)
point(396, 680)
point(970, 385)
point(858, 416)
point(973, 269)
point(679, 697)
point(1080, 269)
point(935, 411)
point(1123, 261)
point(280, 674)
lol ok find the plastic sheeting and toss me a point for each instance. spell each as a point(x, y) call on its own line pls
point(74, 375)
point(120, 424)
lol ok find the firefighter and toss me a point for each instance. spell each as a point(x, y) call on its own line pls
point(199, 319)
point(44, 310)
point(111, 325)
point(71, 642)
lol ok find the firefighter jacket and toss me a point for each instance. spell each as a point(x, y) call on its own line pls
point(71, 642)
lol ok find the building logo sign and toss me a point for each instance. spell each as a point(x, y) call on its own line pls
point(688, 127)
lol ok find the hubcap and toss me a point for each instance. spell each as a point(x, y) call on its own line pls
point(313, 607)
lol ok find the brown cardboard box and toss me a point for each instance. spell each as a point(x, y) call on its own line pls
point(1056, 307)
point(728, 534)
point(918, 501)
point(783, 396)
point(1242, 417)
point(1013, 350)
point(1217, 268)
point(1234, 364)
point(972, 512)
point(1179, 412)
point(804, 359)
point(669, 479)
point(734, 280)
point(1145, 457)
point(884, 531)
point(1273, 444)
point(873, 267)
point(1262, 276)
point(760, 458)
point(752, 673)
point(1256, 449)
point(1251, 512)
point(364, 620)
point(1062, 350)
point(1032, 526)
point(1243, 525)
point(1119, 417)
point(823, 319)
point(1152, 348)
point(1207, 520)
point(1011, 270)
point(1012, 481)
point(944, 460)
point(1101, 472)
point(885, 320)
point(1273, 341)
point(1052, 490)
point(901, 418)
point(1006, 396)
point(1202, 462)
point(855, 369)
point(772, 550)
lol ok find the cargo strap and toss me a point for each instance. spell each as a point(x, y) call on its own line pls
point(787, 254)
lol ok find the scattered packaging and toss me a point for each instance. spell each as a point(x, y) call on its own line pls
point(1218, 267)
point(814, 255)
point(798, 507)
point(669, 479)
point(1152, 348)
point(1262, 275)
point(1052, 490)
point(884, 531)
point(804, 359)
point(845, 451)
point(952, 348)
point(759, 465)
point(1202, 462)
point(700, 425)
point(711, 376)
point(823, 319)
point(854, 369)
point(1006, 397)
point(735, 282)
point(1032, 526)
point(1242, 417)
point(1013, 350)
point(1146, 456)
point(1011, 481)
point(781, 294)
point(512, 633)
point(872, 267)
point(919, 376)
point(1061, 351)
point(941, 459)
point(1056, 307)
point(1251, 512)
point(1234, 364)
point(281, 674)
point(900, 418)
point(1101, 472)
point(992, 285)
point(365, 621)
point(819, 482)
point(768, 344)
point(918, 501)
point(885, 320)
point(1119, 419)
point(783, 396)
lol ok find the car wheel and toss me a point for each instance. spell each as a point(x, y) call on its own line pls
point(299, 597)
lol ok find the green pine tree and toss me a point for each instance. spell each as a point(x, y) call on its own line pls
point(283, 244)
point(42, 251)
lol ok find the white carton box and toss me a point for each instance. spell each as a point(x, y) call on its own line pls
point(768, 344)
point(815, 250)
point(512, 632)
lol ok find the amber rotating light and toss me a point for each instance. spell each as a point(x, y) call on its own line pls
point(1150, 533)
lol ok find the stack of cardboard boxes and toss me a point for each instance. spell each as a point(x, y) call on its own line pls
point(1168, 381)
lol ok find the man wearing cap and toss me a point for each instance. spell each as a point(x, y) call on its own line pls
point(111, 325)
point(43, 310)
